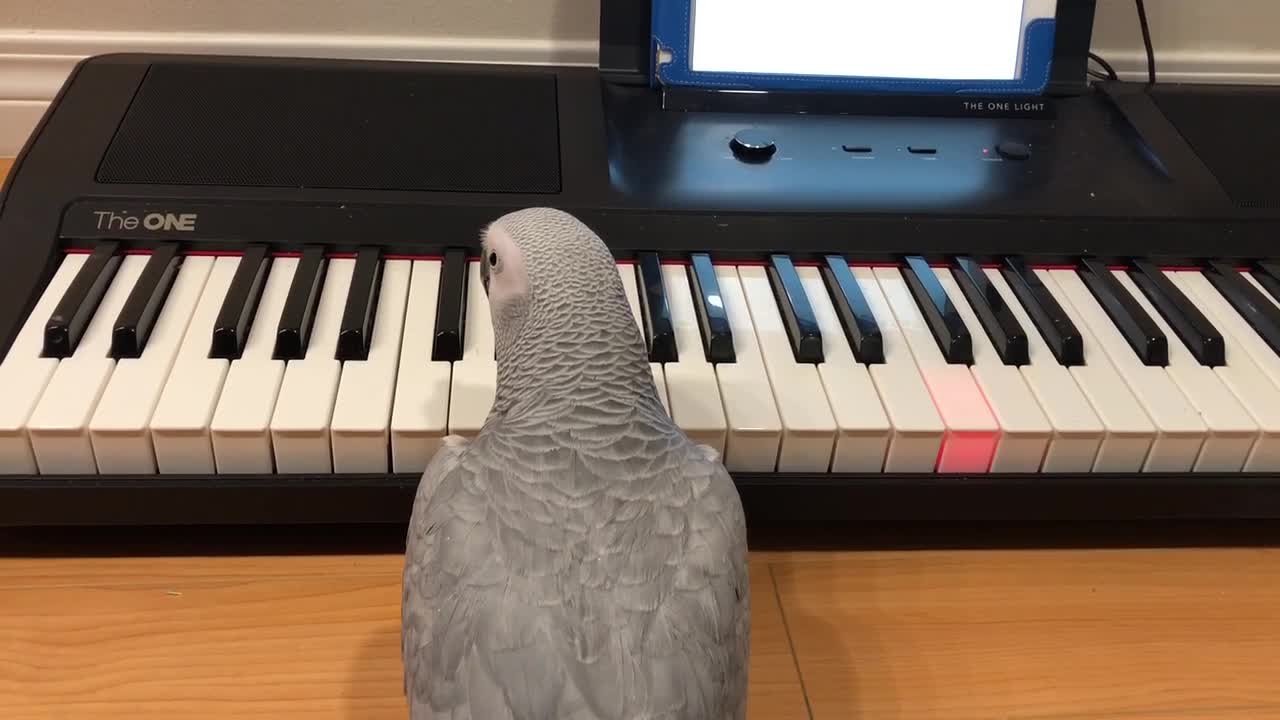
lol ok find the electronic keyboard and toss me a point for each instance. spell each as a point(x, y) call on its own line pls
point(245, 290)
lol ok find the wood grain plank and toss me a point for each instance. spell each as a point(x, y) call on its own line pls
point(164, 572)
point(1036, 634)
point(284, 637)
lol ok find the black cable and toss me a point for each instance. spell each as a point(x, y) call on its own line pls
point(1146, 40)
point(1111, 72)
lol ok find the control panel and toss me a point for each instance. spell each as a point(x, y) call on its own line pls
point(827, 162)
point(755, 145)
point(1075, 157)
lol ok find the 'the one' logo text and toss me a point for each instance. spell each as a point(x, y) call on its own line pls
point(179, 222)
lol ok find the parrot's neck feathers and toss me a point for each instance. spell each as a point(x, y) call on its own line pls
point(589, 358)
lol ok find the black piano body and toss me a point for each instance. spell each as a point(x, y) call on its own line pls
point(219, 153)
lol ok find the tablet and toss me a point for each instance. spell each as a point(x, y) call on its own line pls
point(870, 46)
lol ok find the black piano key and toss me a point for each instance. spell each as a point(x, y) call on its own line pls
point(939, 312)
point(1138, 329)
point(856, 317)
point(235, 318)
point(1267, 274)
point(797, 314)
point(659, 332)
point(356, 329)
point(293, 334)
point(1197, 333)
point(1002, 327)
point(70, 318)
point(1051, 321)
point(141, 310)
point(451, 307)
point(708, 303)
point(1261, 314)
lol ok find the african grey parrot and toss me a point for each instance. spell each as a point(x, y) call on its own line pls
point(580, 557)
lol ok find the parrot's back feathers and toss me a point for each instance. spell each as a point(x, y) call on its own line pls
point(580, 557)
point(603, 600)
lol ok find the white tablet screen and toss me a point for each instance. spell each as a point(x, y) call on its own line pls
point(926, 39)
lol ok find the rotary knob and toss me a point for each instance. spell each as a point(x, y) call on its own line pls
point(752, 145)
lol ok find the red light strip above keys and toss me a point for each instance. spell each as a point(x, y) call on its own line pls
point(749, 263)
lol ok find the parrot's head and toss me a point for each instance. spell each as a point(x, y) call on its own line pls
point(546, 272)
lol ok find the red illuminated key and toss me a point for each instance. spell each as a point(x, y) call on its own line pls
point(972, 431)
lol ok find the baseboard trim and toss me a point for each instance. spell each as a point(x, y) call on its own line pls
point(1196, 66)
point(34, 65)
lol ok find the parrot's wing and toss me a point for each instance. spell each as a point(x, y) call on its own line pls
point(710, 604)
point(415, 601)
point(545, 610)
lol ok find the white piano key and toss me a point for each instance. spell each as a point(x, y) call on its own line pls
point(808, 427)
point(24, 374)
point(59, 424)
point(862, 427)
point(1077, 431)
point(1259, 351)
point(1025, 431)
point(420, 411)
point(179, 427)
point(696, 406)
point(972, 432)
point(754, 429)
point(242, 423)
point(1130, 431)
point(627, 271)
point(119, 429)
point(1231, 432)
point(1180, 433)
point(301, 419)
point(475, 376)
point(918, 430)
point(1252, 370)
point(362, 416)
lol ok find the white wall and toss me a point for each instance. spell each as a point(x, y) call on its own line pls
point(41, 39)
point(1194, 40)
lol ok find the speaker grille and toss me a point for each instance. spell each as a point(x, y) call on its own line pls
point(353, 127)
point(1232, 130)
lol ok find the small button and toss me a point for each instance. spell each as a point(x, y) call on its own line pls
point(1013, 150)
point(917, 150)
point(752, 144)
point(856, 148)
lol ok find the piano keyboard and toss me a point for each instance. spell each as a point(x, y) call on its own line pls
point(162, 362)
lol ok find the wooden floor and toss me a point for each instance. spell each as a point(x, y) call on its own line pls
point(190, 623)
point(153, 627)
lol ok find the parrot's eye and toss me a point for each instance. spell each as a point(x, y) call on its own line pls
point(493, 259)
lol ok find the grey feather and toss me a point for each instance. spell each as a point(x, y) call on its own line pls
point(580, 557)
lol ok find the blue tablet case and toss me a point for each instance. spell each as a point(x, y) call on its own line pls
point(672, 39)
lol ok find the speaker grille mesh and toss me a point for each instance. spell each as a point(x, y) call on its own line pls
point(350, 127)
